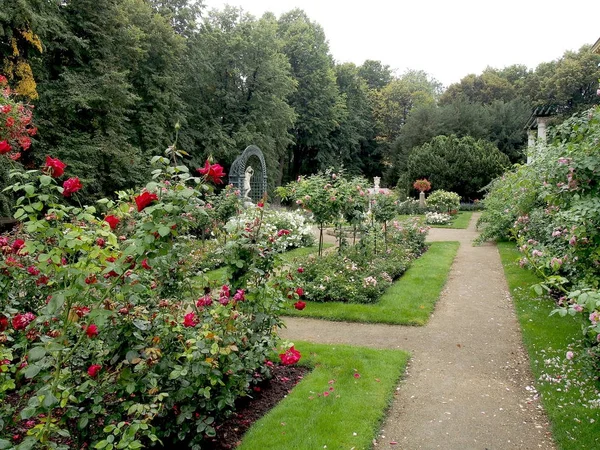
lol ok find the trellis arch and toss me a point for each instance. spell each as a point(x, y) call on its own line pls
point(253, 157)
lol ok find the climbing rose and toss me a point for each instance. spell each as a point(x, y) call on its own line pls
point(4, 147)
point(20, 321)
point(300, 305)
point(290, 357)
point(93, 370)
point(113, 221)
point(91, 331)
point(212, 172)
point(55, 166)
point(71, 186)
point(190, 320)
point(144, 199)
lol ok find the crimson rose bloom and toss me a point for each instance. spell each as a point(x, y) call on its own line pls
point(3, 323)
point(20, 321)
point(300, 305)
point(145, 264)
point(93, 370)
point(18, 245)
point(212, 172)
point(144, 199)
point(4, 147)
point(91, 331)
point(71, 186)
point(290, 357)
point(190, 320)
point(113, 221)
point(300, 292)
point(55, 166)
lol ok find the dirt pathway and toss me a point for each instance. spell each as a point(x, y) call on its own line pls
point(468, 385)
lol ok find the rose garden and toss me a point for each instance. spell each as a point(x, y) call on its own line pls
point(160, 315)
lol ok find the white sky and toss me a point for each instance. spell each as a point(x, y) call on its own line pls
point(448, 39)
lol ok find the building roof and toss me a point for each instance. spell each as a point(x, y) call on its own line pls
point(596, 47)
point(540, 111)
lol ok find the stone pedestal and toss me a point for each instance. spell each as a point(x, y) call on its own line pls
point(422, 199)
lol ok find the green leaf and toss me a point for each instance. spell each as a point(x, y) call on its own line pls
point(37, 353)
point(29, 189)
point(83, 422)
point(49, 400)
point(164, 231)
point(55, 303)
point(45, 180)
point(19, 213)
point(31, 371)
point(101, 444)
point(4, 444)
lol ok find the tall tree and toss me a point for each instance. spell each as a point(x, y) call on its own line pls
point(376, 74)
point(316, 101)
point(237, 83)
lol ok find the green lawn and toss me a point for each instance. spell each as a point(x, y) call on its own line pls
point(409, 301)
point(566, 386)
point(350, 416)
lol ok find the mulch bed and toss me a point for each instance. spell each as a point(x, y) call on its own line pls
point(248, 410)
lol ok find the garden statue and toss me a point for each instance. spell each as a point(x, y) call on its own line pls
point(376, 181)
point(248, 175)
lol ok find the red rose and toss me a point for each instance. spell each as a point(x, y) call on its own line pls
point(10, 122)
point(190, 320)
point(260, 204)
point(91, 279)
point(32, 270)
point(300, 269)
point(240, 295)
point(300, 292)
point(3, 323)
point(212, 172)
point(24, 142)
point(55, 166)
point(4, 147)
point(18, 245)
point(113, 221)
point(71, 186)
point(3, 80)
point(145, 264)
point(300, 305)
point(93, 370)
point(20, 321)
point(91, 331)
point(144, 199)
point(290, 357)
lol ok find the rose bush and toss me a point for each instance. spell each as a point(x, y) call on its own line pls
point(105, 338)
point(551, 208)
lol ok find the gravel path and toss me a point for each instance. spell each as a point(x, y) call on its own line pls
point(468, 385)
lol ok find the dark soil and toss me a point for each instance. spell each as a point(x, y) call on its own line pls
point(249, 409)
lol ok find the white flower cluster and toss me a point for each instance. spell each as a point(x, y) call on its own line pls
point(434, 218)
point(274, 221)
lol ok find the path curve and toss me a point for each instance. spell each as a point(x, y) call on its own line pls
point(468, 384)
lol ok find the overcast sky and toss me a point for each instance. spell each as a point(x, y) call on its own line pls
point(448, 39)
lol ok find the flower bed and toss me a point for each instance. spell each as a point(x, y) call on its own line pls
point(434, 218)
point(360, 275)
point(105, 340)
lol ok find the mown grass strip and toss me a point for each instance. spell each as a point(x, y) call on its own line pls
point(547, 339)
point(409, 301)
point(349, 416)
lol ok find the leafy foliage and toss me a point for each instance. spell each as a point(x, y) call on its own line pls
point(461, 165)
